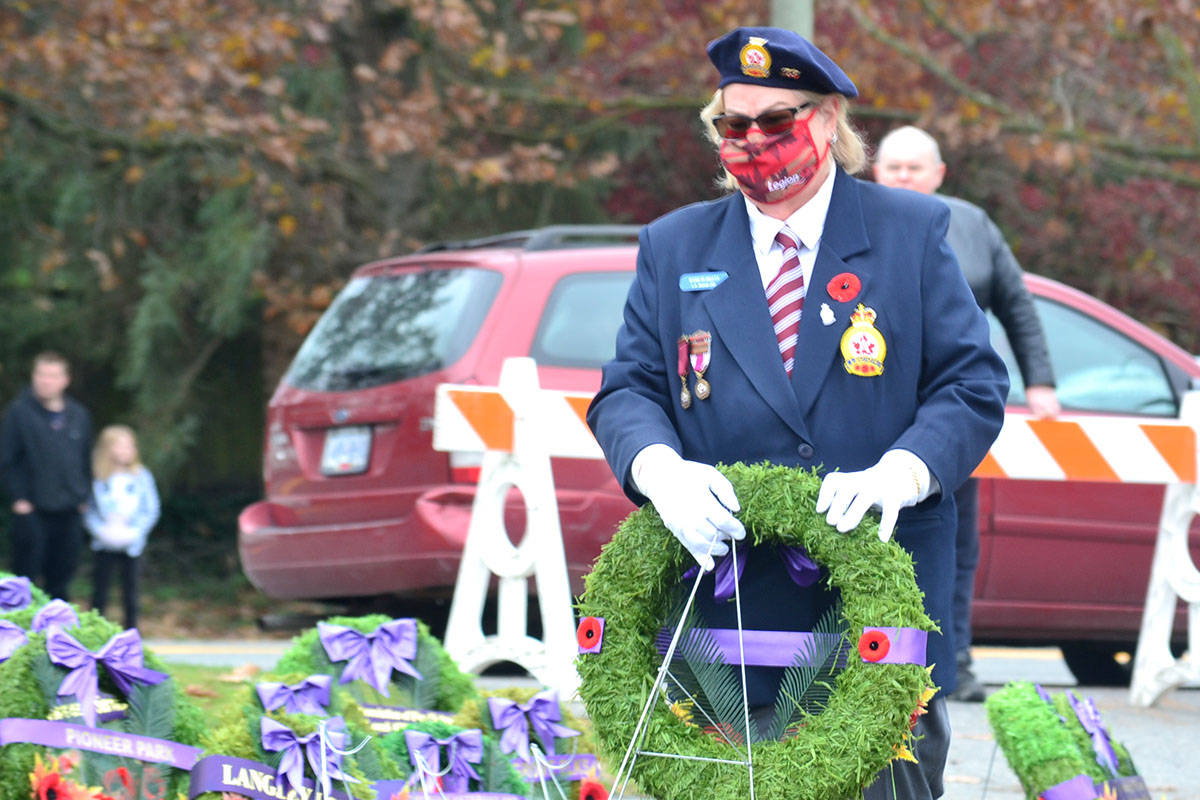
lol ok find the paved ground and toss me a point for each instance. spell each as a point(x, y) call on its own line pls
point(1163, 739)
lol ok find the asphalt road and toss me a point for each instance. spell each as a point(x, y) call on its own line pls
point(1163, 739)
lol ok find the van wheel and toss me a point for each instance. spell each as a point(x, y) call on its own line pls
point(1096, 664)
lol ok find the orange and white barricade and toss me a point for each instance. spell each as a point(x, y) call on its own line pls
point(519, 427)
point(1127, 450)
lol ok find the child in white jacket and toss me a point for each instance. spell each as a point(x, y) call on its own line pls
point(123, 510)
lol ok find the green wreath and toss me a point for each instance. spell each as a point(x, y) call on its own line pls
point(28, 688)
point(1043, 740)
point(835, 753)
point(446, 690)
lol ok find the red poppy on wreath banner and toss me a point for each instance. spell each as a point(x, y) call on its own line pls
point(844, 287)
point(590, 634)
point(592, 790)
point(873, 645)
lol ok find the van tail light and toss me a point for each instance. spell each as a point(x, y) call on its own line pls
point(465, 466)
point(281, 454)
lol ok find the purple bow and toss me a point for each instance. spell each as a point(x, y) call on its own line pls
point(1089, 718)
point(466, 748)
point(802, 569)
point(309, 696)
point(56, 612)
point(278, 737)
point(514, 719)
point(122, 655)
point(12, 637)
point(15, 594)
point(372, 656)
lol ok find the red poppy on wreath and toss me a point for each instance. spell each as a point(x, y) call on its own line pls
point(154, 786)
point(590, 634)
point(119, 781)
point(49, 787)
point(873, 645)
point(844, 287)
point(592, 790)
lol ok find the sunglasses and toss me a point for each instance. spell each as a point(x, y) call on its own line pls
point(778, 120)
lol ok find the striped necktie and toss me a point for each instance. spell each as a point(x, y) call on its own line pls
point(785, 298)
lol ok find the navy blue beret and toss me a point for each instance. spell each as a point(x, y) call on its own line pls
point(777, 57)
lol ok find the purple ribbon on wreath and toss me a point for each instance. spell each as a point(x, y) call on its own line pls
point(309, 696)
point(277, 737)
point(121, 655)
point(12, 637)
point(15, 594)
point(513, 720)
point(465, 749)
point(1089, 717)
point(800, 568)
point(56, 612)
point(372, 656)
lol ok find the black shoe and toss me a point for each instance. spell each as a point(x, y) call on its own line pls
point(969, 690)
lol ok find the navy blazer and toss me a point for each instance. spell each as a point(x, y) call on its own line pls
point(941, 393)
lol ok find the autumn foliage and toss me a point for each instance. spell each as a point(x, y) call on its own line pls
point(181, 179)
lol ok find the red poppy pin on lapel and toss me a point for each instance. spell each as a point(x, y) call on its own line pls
point(844, 287)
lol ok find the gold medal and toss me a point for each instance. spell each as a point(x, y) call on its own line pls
point(700, 344)
point(863, 347)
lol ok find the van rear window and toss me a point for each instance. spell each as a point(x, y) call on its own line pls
point(386, 328)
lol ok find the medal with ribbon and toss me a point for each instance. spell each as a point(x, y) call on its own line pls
point(685, 397)
point(700, 346)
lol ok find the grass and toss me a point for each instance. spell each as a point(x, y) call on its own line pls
point(216, 690)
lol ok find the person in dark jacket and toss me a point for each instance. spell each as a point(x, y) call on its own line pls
point(909, 158)
point(45, 466)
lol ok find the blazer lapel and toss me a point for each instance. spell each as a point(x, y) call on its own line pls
point(738, 308)
point(845, 235)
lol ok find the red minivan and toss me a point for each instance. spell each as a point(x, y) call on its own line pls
point(358, 503)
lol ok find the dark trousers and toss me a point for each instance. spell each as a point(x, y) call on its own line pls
point(966, 559)
point(904, 780)
point(108, 562)
point(45, 546)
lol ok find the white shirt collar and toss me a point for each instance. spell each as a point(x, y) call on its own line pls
point(807, 222)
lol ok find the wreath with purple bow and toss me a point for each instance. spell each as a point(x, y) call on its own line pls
point(843, 742)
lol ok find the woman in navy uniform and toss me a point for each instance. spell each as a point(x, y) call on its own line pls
point(849, 343)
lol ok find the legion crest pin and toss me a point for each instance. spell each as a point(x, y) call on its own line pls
point(863, 347)
point(756, 61)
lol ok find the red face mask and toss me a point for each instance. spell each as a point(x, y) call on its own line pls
point(775, 167)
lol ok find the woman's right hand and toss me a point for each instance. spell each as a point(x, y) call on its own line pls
point(695, 501)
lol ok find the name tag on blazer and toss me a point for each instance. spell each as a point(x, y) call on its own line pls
point(701, 281)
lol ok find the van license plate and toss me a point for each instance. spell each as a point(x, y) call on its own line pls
point(347, 450)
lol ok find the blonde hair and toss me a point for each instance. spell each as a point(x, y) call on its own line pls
point(848, 149)
point(102, 462)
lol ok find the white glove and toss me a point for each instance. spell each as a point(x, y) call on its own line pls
point(900, 479)
point(696, 502)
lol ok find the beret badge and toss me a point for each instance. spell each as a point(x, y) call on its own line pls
point(756, 61)
point(790, 72)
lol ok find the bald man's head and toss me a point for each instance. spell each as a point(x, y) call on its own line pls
point(909, 158)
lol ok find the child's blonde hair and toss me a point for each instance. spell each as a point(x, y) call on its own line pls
point(102, 462)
